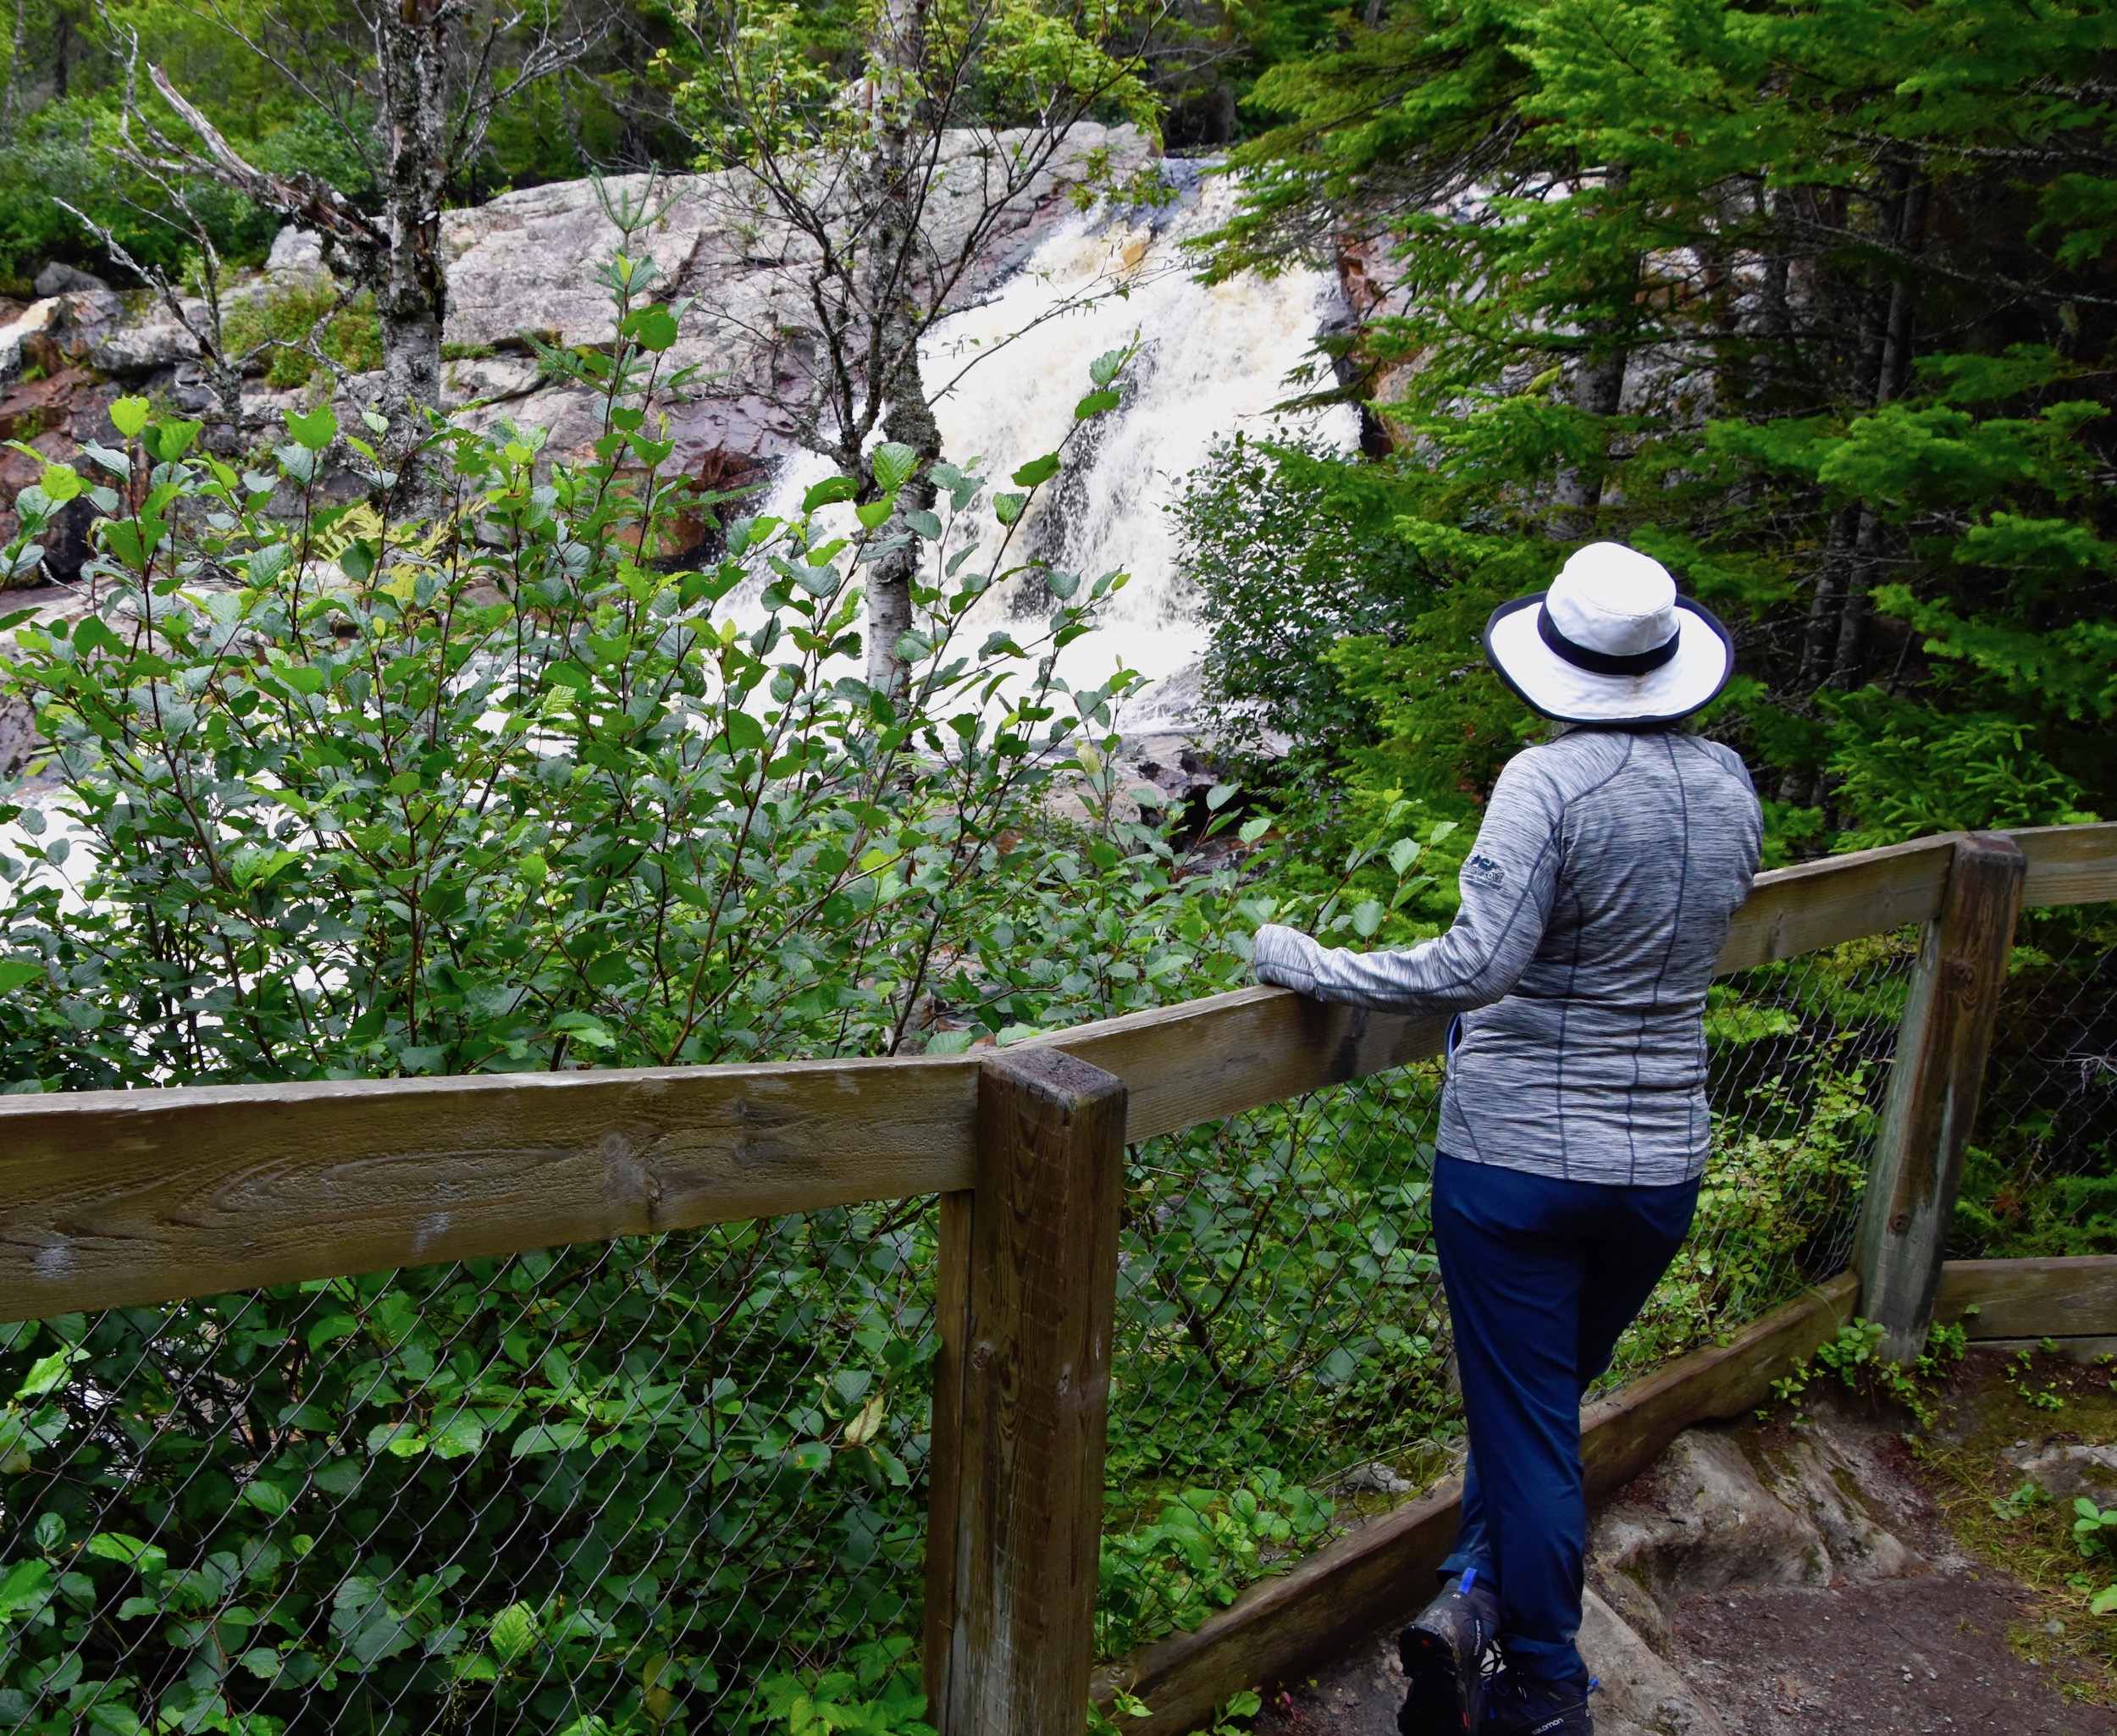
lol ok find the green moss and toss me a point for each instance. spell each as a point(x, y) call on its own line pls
point(2000, 1515)
point(275, 325)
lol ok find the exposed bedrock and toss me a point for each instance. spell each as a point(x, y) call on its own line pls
point(526, 264)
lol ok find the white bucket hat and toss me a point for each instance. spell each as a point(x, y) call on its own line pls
point(1610, 642)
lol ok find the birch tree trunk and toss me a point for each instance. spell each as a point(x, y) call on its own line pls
point(411, 287)
point(14, 96)
point(897, 56)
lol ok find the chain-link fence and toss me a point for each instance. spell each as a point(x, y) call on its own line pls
point(1282, 1363)
point(665, 1484)
point(2041, 1177)
point(616, 1487)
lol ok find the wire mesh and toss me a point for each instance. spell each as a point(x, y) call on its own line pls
point(612, 1488)
point(631, 1487)
point(2042, 1174)
point(1282, 1360)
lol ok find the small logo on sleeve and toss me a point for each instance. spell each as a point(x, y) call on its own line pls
point(1480, 870)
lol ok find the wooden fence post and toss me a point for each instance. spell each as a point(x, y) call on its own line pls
point(1933, 1091)
point(1028, 1299)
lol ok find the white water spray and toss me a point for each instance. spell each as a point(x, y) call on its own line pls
point(1214, 359)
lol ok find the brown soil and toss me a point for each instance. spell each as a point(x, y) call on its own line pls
point(1969, 1648)
point(1930, 1655)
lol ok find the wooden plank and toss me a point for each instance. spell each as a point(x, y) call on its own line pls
point(1625, 1433)
point(2069, 864)
point(1935, 1082)
point(2032, 1299)
point(1820, 903)
point(944, 1458)
point(1033, 1401)
point(1381, 1573)
point(1228, 1052)
point(109, 1198)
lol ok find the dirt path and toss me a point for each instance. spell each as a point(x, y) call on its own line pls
point(1928, 1655)
point(1906, 1619)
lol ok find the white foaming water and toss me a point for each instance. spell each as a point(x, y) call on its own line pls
point(1214, 359)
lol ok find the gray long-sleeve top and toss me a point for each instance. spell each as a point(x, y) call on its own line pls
point(1595, 905)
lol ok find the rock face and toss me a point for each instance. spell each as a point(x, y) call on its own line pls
point(530, 263)
point(1727, 1512)
point(2067, 1470)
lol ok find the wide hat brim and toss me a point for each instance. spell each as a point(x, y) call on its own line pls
point(1704, 659)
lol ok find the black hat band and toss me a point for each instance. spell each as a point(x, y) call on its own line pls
point(1603, 662)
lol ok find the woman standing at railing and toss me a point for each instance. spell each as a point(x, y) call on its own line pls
point(1573, 1127)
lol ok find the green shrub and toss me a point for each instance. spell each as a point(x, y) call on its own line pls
point(278, 324)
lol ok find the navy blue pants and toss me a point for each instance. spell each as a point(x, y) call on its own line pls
point(1542, 1276)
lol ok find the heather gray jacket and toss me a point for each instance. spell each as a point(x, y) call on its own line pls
point(1595, 904)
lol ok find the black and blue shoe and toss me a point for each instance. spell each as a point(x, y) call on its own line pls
point(1449, 1657)
point(1518, 1707)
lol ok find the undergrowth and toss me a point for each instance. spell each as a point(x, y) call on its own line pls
point(278, 327)
point(2063, 1551)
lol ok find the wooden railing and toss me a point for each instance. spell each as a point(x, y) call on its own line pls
point(111, 1198)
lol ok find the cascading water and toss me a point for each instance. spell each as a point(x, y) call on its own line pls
point(1214, 359)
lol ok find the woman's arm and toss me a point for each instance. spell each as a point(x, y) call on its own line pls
point(1508, 884)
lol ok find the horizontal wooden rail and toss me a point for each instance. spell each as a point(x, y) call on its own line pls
point(113, 1197)
point(109, 1198)
point(2067, 865)
point(2031, 1299)
point(1381, 1573)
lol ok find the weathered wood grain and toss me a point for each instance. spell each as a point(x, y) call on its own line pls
point(1229, 1053)
point(1031, 1403)
point(1381, 1573)
point(944, 1458)
point(1935, 1083)
point(2031, 1299)
point(1816, 904)
point(109, 1199)
point(2069, 864)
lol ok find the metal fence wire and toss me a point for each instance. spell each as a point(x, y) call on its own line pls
point(1282, 1363)
point(2041, 1175)
point(612, 1488)
point(653, 1485)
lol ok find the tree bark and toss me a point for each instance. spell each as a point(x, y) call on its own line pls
point(411, 286)
point(1850, 661)
point(14, 71)
point(1598, 391)
point(896, 57)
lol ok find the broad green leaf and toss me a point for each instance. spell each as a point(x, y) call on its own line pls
point(48, 1373)
point(893, 463)
point(128, 416)
point(1036, 471)
point(653, 328)
point(314, 429)
point(829, 489)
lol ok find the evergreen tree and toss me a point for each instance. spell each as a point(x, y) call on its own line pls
point(1814, 301)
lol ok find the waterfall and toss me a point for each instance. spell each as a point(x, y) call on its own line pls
point(1214, 358)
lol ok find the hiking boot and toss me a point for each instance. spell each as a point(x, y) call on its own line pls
point(1447, 1653)
point(1518, 1707)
